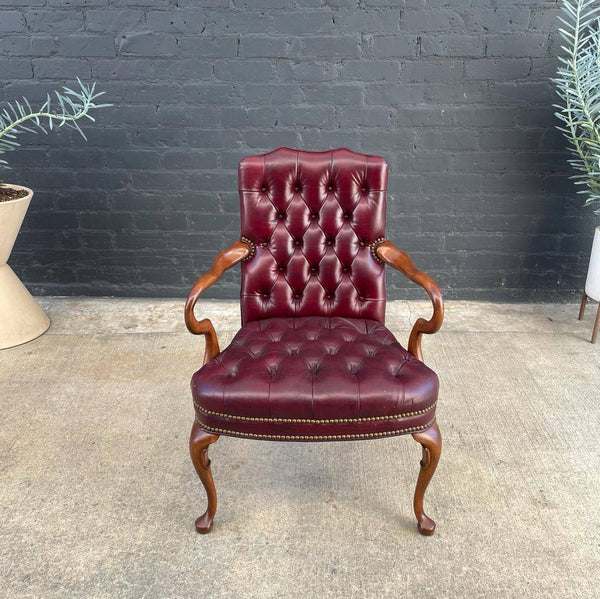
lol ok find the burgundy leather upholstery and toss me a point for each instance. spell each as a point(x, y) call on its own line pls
point(312, 217)
point(313, 360)
point(314, 378)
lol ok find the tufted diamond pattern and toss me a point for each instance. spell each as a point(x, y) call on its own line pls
point(312, 217)
point(318, 378)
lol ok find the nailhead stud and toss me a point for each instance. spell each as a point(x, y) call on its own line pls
point(252, 249)
point(374, 249)
point(410, 429)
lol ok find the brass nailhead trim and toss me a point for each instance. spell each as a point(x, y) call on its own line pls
point(374, 249)
point(412, 429)
point(252, 249)
point(311, 421)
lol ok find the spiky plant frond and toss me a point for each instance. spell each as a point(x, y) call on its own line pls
point(578, 85)
point(69, 107)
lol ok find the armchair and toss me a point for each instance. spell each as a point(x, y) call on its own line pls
point(313, 360)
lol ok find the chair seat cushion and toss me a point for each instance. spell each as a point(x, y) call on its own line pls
point(314, 378)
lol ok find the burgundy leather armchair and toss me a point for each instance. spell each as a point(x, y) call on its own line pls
point(313, 360)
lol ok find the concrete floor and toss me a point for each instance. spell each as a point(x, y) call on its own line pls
point(98, 496)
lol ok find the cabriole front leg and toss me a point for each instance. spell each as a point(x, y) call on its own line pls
point(199, 443)
point(431, 440)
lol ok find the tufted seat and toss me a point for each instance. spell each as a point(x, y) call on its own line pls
point(313, 360)
point(317, 378)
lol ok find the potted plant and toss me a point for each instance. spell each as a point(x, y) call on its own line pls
point(578, 85)
point(21, 319)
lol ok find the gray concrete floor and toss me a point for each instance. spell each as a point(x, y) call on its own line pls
point(98, 496)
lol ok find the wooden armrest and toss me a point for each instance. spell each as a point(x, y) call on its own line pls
point(401, 261)
point(225, 260)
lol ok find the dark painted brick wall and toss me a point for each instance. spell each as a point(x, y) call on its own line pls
point(455, 94)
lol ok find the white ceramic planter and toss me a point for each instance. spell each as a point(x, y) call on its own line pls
point(21, 319)
point(592, 282)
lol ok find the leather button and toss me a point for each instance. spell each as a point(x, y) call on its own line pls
point(330, 242)
point(282, 268)
point(364, 188)
point(330, 187)
point(281, 215)
point(265, 244)
point(346, 269)
point(297, 187)
point(263, 188)
point(298, 242)
point(362, 243)
point(347, 215)
point(297, 296)
point(361, 298)
point(314, 216)
point(329, 296)
point(265, 295)
point(313, 269)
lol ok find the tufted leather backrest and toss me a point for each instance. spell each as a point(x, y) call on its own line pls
point(313, 218)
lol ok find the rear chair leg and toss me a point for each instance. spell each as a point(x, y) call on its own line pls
point(199, 442)
point(431, 440)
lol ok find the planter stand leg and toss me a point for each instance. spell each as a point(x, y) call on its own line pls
point(596, 329)
point(584, 299)
point(596, 326)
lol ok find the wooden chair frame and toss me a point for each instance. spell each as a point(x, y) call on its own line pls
point(430, 439)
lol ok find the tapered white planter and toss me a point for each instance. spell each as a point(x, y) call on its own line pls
point(21, 319)
point(592, 282)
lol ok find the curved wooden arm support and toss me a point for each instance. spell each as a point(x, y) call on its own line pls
point(225, 260)
point(401, 261)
